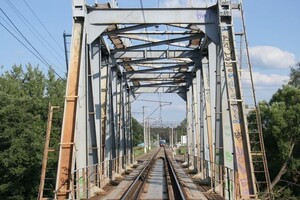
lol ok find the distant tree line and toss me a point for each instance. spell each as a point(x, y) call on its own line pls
point(162, 132)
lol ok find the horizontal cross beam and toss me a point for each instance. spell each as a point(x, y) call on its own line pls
point(163, 42)
point(156, 54)
point(157, 75)
point(161, 89)
point(162, 68)
point(152, 15)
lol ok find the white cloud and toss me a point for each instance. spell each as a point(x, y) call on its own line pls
point(265, 80)
point(269, 79)
point(265, 84)
point(272, 57)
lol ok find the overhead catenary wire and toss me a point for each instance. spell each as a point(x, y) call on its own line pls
point(20, 42)
point(36, 33)
point(29, 7)
point(26, 46)
point(16, 28)
point(9, 24)
point(146, 29)
point(37, 53)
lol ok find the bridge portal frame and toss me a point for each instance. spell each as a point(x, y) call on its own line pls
point(96, 126)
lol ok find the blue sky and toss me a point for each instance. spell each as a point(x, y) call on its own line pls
point(273, 29)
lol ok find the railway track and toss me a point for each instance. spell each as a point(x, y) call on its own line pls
point(157, 180)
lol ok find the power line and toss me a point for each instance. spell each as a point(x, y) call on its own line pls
point(146, 29)
point(42, 24)
point(154, 101)
point(41, 58)
point(24, 37)
point(35, 32)
point(20, 42)
point(5, 20)
point(25, 46)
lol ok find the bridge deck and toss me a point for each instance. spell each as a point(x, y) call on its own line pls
point(194, 189)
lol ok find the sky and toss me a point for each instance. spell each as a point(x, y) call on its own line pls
point(273, 29)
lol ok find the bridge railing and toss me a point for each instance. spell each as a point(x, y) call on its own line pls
point(220, 179)
point(89, 181)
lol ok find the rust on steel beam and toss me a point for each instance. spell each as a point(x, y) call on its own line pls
point(63, 180)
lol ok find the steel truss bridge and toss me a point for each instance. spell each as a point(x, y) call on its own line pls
point(199, 53)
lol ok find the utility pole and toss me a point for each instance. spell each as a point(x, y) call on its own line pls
point(66, 49)
point(172, 137)
point(144, 125)
point(149, 144)
point(149, 132)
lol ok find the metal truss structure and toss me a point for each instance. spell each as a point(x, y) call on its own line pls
point(194, 52)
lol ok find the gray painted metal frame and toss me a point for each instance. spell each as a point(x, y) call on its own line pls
point(198, 71)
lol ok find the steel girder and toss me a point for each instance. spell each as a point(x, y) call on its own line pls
point(66, 152)
point(96, 126)
point(159, 54)
point(98, 15)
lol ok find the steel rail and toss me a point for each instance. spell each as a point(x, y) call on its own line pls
point(178, 193)
point(134, 190)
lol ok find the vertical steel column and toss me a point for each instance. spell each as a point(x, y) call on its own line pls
point(235, 102)
point(194, 120)
point(219, 155)
point(190, 136)
point(95, 58)
point(207, 102)
point(123, 121)
point(199, 111)
point(228, 147)
point(63, 189)
point(116, 116)
point(119, 113)
point(129, 125)
point(187, 128)
point(215, 85)
point(204, 128)
point(111, 112)
point(104, 107)
point(202, 121)
point(92, 146)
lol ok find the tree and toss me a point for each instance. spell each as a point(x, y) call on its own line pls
point(295, 76)
point(281, 128)
point(24, 98)
point(137, 131)
point(181, 129)
point(20, 148)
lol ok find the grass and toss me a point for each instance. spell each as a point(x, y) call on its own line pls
point(181, 150)
point(138, 151)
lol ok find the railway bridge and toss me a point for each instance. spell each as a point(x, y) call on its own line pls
point(199, 53)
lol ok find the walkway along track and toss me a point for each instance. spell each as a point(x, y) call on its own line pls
point(156, 181)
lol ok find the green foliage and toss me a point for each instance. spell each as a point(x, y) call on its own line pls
point(181, 129)
point(295, 76)
point(137, 132)
point(138, 151)
point(24, 98)
point(163, 132)
point(281, 128)
point(181, 150)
